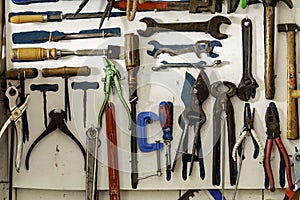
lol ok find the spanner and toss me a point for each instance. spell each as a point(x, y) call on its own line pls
point(211, 26)
point(198, 65)
point(201, 46)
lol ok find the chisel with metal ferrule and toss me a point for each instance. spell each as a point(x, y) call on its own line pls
point(34, 37)
point(54, 16)
point(25, 2)
point(39, 54)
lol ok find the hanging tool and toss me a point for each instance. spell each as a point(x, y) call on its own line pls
point(200, 47)
point(188, 194)
point(166, 122)
point(2, 34)
point(92, 144)
point(25, 2)
point(40, 54)
point(273, 134)
point(81, 6)
point(21, 74)
point(211, 26)
point(193, 116)
point(198, 65)
point(16, 111)
point(247, 86)
point(145, 118)
point(269, 18)
point(54, 16)
point(84, 86)
point(35, 37)
point(248, 130)
point(43, 88)
point(57, 122)
point(66, 73)
point(223, 91)
point(132, 62)
point(293, 94)
point(112, 152)
point(112, 77)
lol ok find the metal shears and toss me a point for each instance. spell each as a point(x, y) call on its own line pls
point(16, 112)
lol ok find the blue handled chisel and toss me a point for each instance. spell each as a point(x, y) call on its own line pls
point(25, 2)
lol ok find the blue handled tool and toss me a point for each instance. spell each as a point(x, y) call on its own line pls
point(145, 118)
point(166, 121)
point(25, 2)
point(34, 37)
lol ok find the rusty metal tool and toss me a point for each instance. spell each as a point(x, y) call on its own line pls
point(66, 73)
point(84, 86)
point(53, 16)
point(293, 94)
point(211, 26)
point(247, 86)
point(15, 117)
point(40, 54)
point(92, 144)
point(132, 62)
point(199, 48)
point(198, 65)
point(112, 152)
point(22, 74)
point(269, 22)
point(43, 88)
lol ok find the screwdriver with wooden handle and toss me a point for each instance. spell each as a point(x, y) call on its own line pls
point(40, 54)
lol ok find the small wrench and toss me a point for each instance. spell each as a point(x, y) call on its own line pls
point(198, 65)
point(211, 26)
point(201, 46)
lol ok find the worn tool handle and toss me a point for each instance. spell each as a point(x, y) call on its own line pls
point(20, 19)
point(166, 119)
point(15, 74)
point(269, 52)
point(150, 6)
point(44, 87)
point(66, 71)
point(112, 151)
point(33, 54)
point(292, 110)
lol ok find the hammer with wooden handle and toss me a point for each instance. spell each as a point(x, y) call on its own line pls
point(293, 93)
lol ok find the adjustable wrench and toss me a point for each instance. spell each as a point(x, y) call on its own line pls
point(211, 26)
point(201, 46)
point(247, 86)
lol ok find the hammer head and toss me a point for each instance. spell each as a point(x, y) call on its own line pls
point(288, 27)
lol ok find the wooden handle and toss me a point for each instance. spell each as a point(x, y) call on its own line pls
point(112, 151)
point(20, 19)
point(269, 53)
point(15, 74)
point(33, 54)
point(292, 107)
point(66, 71)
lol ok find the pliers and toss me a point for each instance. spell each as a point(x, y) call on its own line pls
point(16, 118)
point(248, 130)
point(273, 134)
point(112, 77)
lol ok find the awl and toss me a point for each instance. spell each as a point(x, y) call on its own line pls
point(34, 37)
point(54, 16)
point(39, 54)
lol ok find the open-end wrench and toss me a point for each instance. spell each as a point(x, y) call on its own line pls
point(198, 65)
point(211, 26)
point(200, 47)
point(247, 86)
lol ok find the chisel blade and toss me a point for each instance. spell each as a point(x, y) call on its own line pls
point(112, 52)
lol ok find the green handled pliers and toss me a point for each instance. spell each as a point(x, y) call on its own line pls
point(243, 3)
point(112, 77)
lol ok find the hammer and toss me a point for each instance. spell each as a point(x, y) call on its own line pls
point(269, 18)
point(293, 93)
point(84, 86)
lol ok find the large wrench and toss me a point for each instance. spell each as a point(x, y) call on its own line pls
point(201, 46)
point(211, 26)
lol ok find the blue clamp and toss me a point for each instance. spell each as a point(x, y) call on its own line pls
point(143, 119)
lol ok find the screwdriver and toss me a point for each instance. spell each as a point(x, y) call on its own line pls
point(25, 2)
point(39, 54)
point(166, 122)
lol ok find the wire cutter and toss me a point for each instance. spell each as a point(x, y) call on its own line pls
point(16, 117)
point(248, 130)
point(273, 134)
point(112, 77)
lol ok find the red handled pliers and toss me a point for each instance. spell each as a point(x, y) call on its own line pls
point(273, 133)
